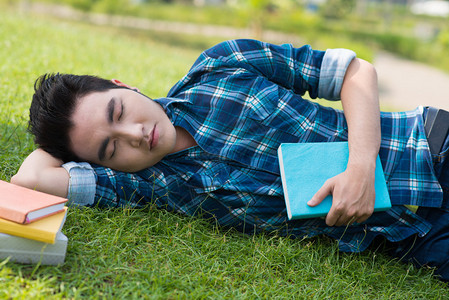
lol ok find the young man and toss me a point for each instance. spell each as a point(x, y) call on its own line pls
point(210, 147)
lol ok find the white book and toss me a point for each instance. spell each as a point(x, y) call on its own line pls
point(22, 250)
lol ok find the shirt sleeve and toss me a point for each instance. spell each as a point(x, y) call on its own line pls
point(122, 189)
point(82, 183)
point(93, 185)
point(333, 70)
point(299, 69)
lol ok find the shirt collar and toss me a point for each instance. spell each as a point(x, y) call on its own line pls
point(167, 103)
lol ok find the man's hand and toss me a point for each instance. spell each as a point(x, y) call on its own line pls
point(353, 196)
point(41, 171)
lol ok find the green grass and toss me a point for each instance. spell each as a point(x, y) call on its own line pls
point(150, 253)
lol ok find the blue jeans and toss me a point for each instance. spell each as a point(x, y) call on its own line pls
point(431, 250)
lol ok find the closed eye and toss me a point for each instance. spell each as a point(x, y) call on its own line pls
point(121, 111)
point(110, 115)
point(114, 144)
point(113, 149)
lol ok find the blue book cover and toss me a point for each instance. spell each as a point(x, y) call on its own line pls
point(306, 166)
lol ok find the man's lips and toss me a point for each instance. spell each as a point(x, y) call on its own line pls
point(153, 138)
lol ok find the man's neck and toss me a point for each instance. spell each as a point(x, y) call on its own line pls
point(183, 139)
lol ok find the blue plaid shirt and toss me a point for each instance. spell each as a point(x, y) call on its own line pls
point(239, 101)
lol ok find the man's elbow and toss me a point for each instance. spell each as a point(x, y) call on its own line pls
point(367, 67)
point(25, 180)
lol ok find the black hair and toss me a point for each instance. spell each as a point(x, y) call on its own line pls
point(54, 101)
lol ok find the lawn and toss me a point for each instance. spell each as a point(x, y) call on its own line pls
point(150, 253)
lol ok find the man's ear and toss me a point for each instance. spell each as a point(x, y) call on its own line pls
point(119, 83)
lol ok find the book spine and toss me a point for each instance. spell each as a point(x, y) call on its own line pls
point(27, 221)
point(12, 215)
point(27, 251)
point(29, 233)
point(284, 183)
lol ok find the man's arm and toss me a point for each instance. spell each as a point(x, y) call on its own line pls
point(41, 171)
point(353, 190)
point(297, 69)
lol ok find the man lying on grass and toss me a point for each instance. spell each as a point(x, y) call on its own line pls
point(210, 147)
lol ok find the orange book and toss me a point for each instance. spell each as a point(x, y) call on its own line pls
point(22, 205)
point(43, 230)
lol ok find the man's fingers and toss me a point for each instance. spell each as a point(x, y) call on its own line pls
point(339, 220)
point(346, 208)
point(336, 218)
point(332, 219)
point(363, 218)
point(340, 214)
point(322, 193)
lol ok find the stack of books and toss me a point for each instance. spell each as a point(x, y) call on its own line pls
point(30, 226)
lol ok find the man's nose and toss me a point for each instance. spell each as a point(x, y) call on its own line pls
point(131, 133)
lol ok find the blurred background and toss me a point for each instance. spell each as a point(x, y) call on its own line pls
point(407, 40)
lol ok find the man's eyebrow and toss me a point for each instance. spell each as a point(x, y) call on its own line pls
point(110, 110)
point(102, 150)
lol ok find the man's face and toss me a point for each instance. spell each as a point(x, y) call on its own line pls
point(121, 129)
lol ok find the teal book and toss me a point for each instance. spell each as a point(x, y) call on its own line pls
point(306, 166)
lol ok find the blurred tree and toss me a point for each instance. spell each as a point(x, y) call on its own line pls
point(111, 6)
point(443, 39)
point(259, 10)
point(85, 5)
point(360, 7)
point(338, 9)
